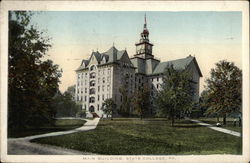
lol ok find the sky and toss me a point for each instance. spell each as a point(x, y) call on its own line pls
point(209, 36)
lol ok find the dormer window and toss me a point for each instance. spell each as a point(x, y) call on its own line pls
point(92, 68)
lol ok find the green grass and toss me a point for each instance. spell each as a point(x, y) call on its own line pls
point(229, 125)
point(148, 137)
point(59, 125)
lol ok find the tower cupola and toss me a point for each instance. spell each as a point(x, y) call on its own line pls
point(144, 47)
point(145, 33)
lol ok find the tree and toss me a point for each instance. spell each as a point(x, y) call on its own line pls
point(71, 91)
point(109, 107)
point(224, 90)
point(32, 80)
point(203, 102)
point(141, 101)
point(65, 106)
point(126, 102)
point(176, 94)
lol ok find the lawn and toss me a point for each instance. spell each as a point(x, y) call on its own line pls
point(59, 125)
point(229, 125)
point(148, 137)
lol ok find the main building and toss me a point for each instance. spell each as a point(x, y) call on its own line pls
point(103, 75)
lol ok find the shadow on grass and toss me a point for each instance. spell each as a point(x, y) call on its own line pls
point(155, 120)
point(188, 126)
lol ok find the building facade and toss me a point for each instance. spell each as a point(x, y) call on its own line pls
point(105, 75)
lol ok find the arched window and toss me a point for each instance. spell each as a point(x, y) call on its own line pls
point(92, 68)
point(92, 109)
point(92, 91)
point(92, 75)
point(92, 83)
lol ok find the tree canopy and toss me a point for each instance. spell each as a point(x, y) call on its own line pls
point(141, 101)
point(224, 90)
point(176, 94)
point(32, 79)
point(109, 107)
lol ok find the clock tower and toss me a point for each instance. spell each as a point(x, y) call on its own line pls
point(144, 47)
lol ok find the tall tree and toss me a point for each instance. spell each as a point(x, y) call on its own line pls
point(71, 91)
point(176, 94)
point(224, 89)
point(32, 80)
point(126, 102)
point(109, 107)
point(141, 101)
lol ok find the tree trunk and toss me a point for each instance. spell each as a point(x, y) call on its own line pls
point(172, 121)
point(218, 119)
point(224, 120)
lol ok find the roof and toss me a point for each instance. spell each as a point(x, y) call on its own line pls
point(112, 55)
point(178, 64)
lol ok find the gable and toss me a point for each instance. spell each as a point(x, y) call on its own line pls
point(124, 58)
point(93, 59)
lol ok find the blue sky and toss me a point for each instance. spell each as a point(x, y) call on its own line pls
point(210, 36)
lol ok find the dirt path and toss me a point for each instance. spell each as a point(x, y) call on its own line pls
point(230, 132)
point(24, 146)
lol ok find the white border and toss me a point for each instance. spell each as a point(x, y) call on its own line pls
point(125, 6)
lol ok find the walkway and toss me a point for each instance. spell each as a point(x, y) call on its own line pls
point(230, 132)
point(24, 146)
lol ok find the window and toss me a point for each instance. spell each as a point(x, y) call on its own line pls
point(108, 87)
point(92, 83)
point(157, 78)
point(92, 68)
point(98, 88)
point(103, 80)
point(102, 97)
point(92, 75)
point(85, 90)
point(92, 91)
point(85, 98)
point(157, 86)
point(92, 99)
point(98, 107)
point(103, 88)
point(98, 97)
